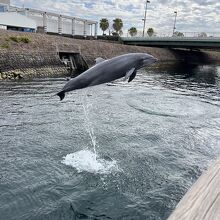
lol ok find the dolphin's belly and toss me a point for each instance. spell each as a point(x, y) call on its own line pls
point(105, 77)
point(108, 73)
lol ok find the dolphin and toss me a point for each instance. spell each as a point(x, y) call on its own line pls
point(109, 70)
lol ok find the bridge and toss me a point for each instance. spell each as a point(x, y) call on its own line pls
point(174, 42)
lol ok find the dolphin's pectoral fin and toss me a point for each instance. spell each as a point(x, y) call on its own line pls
point(99, 60)
point(132, 76)
point(129, 74)
point(61, 95)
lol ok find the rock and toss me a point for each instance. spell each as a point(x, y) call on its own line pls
point(4, 76)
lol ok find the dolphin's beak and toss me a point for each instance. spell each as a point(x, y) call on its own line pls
point(154, 59)
point(150, 60)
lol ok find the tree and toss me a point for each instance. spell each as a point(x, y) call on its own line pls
point(202, 34)
point(104, 24)
point(115, 34)
point(120, 33)
point(178, 34)
point(117, 25)
point(150, 32)
point(132, 31)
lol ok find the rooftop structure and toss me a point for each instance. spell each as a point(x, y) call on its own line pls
point(49, 22)
point(15, 21)
point(4, 5)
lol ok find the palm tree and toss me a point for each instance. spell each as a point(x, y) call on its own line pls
point(117, 25)
point(120, 33)
point(178, 34)
point(104, 24)
point(150, 32)
point(202, 34)
point(132, 31)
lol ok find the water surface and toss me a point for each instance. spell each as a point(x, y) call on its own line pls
point(114, 151)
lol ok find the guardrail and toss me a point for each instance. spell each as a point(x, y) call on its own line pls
point(181, 35)
point(174, 42)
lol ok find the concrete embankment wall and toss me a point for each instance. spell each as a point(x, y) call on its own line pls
point(30, 54)
point(23, 64)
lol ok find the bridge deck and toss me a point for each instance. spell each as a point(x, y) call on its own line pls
point(174, 42)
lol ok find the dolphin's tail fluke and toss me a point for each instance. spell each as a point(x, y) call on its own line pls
point(61, 95)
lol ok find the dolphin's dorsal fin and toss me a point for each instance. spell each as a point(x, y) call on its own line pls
point(129, 75)
point(99, 60)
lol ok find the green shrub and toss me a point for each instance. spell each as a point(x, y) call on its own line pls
point(110, 38)
point(25, 40)
point(5, 45)
point(14, 38)
point(18, 39)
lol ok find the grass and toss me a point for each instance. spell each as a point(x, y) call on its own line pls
point(19, 39)
point(5, 45)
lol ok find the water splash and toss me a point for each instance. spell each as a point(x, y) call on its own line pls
point(89, 126)
point(86, 160)
point(87, 109)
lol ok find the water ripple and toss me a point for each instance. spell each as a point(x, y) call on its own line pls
point(153, 137)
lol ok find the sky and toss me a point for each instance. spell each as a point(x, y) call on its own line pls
point(192, 15)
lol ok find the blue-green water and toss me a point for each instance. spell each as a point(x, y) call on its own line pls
point(153, 138)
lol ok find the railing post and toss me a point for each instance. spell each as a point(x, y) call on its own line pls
point(96, 29)
point(26, 12)
point(84, 28)
point(73, 26)
point(91, 29)
point(60, 24)
point(45, 22)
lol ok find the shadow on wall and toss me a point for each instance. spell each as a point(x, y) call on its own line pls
point(191, 56)
point(199, 73)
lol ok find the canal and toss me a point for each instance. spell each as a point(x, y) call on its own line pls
point(115, 151)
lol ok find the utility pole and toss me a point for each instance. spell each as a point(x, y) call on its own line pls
point(145, 14)
point(174, 26)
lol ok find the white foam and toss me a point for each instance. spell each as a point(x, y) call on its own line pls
point(86, 160)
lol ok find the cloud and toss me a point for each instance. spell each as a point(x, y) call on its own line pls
point(192, 15)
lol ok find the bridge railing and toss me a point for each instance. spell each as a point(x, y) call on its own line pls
point(178, 35)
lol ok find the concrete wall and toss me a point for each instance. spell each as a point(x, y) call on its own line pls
point(39, 56)
point(14, 19)
point(24, 64)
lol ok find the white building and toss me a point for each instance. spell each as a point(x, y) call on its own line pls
point(15, 21)
point(4, 5)
point(49, 22)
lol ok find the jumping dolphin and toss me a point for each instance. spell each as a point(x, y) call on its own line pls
point(109, 70)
